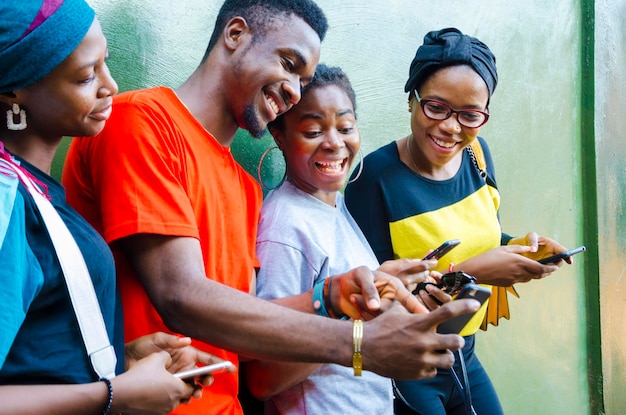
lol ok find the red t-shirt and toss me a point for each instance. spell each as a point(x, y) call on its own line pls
point(155, 169)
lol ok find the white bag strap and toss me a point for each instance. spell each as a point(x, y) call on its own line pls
point(79, 285)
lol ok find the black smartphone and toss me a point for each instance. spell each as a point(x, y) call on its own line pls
point(556, 258)
point(456, 324)
point(213, 369)
point(442, 249)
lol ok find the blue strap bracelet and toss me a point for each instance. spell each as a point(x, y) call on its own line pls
point(318, 299)
point(328, 303)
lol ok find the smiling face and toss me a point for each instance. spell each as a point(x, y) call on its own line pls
point(269, 71)
point(75, 98)
point(319, 140)
point(437, 145)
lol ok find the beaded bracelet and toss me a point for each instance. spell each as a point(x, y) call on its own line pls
point(107, 407)
point(357, 341)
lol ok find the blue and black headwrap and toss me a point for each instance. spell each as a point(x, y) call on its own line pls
point(449, 47)
point(36, 36)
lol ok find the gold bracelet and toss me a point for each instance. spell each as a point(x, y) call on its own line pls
point(357, 341)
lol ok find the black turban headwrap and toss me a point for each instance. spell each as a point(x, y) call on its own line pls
point(447, 47)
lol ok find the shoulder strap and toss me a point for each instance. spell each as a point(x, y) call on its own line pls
point(8, 192)
point(477, 155)
point(498, 305)
point(480, 155)
point(79, 285)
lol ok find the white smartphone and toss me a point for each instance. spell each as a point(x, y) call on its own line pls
point(215, 368)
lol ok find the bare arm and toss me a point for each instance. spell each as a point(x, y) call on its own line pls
point(131, 393)
point(268, 378)
point(83, 399)
point(171, 270)
point(515, 262)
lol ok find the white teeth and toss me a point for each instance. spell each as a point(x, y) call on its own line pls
point(273, 104)
point(444, 144)
point(330, 167)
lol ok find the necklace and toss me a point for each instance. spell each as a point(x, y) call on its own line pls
point(408, 150)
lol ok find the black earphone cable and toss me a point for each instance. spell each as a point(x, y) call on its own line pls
point(464, 386)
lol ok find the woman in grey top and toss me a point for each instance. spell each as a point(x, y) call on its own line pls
point(306, 235)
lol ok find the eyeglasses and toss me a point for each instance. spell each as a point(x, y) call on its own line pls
point(439, 111)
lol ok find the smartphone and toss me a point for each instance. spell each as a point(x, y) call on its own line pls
point(556, 258)
point(456, 324)
point(215, 368)
point(443, 249)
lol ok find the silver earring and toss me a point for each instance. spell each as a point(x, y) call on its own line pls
point(258, 170)
point(15, 110)
point(360, 168)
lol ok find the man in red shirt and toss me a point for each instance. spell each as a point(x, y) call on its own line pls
point(162, 187)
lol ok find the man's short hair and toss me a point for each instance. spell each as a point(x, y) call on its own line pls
point(260, 15)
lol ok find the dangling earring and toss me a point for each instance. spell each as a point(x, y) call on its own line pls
point(15, 110)
point(258, 170)
point(360, 168)
point(410, 109)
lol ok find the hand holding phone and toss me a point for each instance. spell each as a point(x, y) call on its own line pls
point(221, 367)
point(456, 324)
point(556, 258)
point(442, 249)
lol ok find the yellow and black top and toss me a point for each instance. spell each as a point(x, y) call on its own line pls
point(403, 215)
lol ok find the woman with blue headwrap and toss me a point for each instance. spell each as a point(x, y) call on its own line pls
point(436, 184)
point(54, 82)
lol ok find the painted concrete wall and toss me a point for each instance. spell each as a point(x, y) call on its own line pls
point(610, 104)
point(538, 359)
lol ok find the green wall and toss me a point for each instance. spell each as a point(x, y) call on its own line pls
point(610, 125)
point(561, 348)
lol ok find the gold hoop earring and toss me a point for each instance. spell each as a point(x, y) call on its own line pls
point(358, 174)
point(260, 165)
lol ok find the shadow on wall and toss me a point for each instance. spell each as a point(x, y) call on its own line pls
point(248, 152)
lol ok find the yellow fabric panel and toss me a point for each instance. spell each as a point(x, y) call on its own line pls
point(472, 220)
